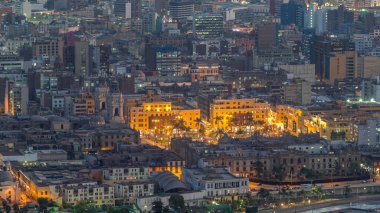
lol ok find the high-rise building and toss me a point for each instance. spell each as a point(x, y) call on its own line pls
point(164, 59)
point(336, 19)
point(149, 18)
point(267, 35)
point(324, 49)
point(293, 13)
point(123, 9)
point(308, 43)
point(128, 9)
point(297, 91)
point(208, 25)
point(321, 19)
point(161, 7)
point(136, 8)
point(341, 65)
point(180, 10)
point(309, 19)
point(275, 7)
point(82, 58)
point(52, 48)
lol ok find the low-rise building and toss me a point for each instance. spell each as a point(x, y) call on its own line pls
point(129, 191)
point(217, 182)
point(98, 194)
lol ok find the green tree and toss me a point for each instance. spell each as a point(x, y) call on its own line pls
point(249, 121)
point(263, 194)
point(177, 202)
point(42, 204)
point(347, 191)
point(337, 168)
point(317, 191)
point(85, 206)
point(198, 121)
point(16, 208)
point(157, 206)
point(7, 208)
point(302, 194)
point(218, 121)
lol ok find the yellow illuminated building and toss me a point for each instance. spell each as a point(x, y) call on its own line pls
point(295, 120)
point(223, 111)
point(161, 116)
point(286, 118)
point(337, 128)
point(84, 105)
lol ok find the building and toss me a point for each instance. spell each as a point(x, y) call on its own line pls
point(324, 49)
point(50, 49)
point(303, 71)
point(208, 25)
point(266, 36)
point(129, 191)
point(13, 62)
point(218, 183)
point(180, 10)
point(125, 174)
point(83, 105)
point(369, 133)
point(166, 60)
point(224, 112)
point(9, 189)
point(297, 92)
point(122, 9)
point(160, 116)
point(336, 19)
point(342, 66)
point(82, 58)
point(98, 194)
point(293, 13)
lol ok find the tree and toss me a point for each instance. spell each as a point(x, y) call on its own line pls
point(263, 194)
point(302, 194)
point(317, 191)
point(176, 202)
point(43, 204)
point(16, 208)
point(166, 209)
point(7, 208)
point(85, 206)
point(279, 172)
point(249, 121)
point(218, 121)
point(157, 206)
point(198, 122)
point(347, 191)
point(259, 168)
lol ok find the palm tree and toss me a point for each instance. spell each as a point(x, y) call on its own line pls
point(347, 191)
point(218, 121)
point(179, 125)
point(16, 208)
point(250, 122)
point(302, 194)
point(317, 191)
point(263, 194)
point(157, 206)
point(198, 122)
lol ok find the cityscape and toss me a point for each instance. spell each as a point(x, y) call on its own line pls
point(182, 106)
